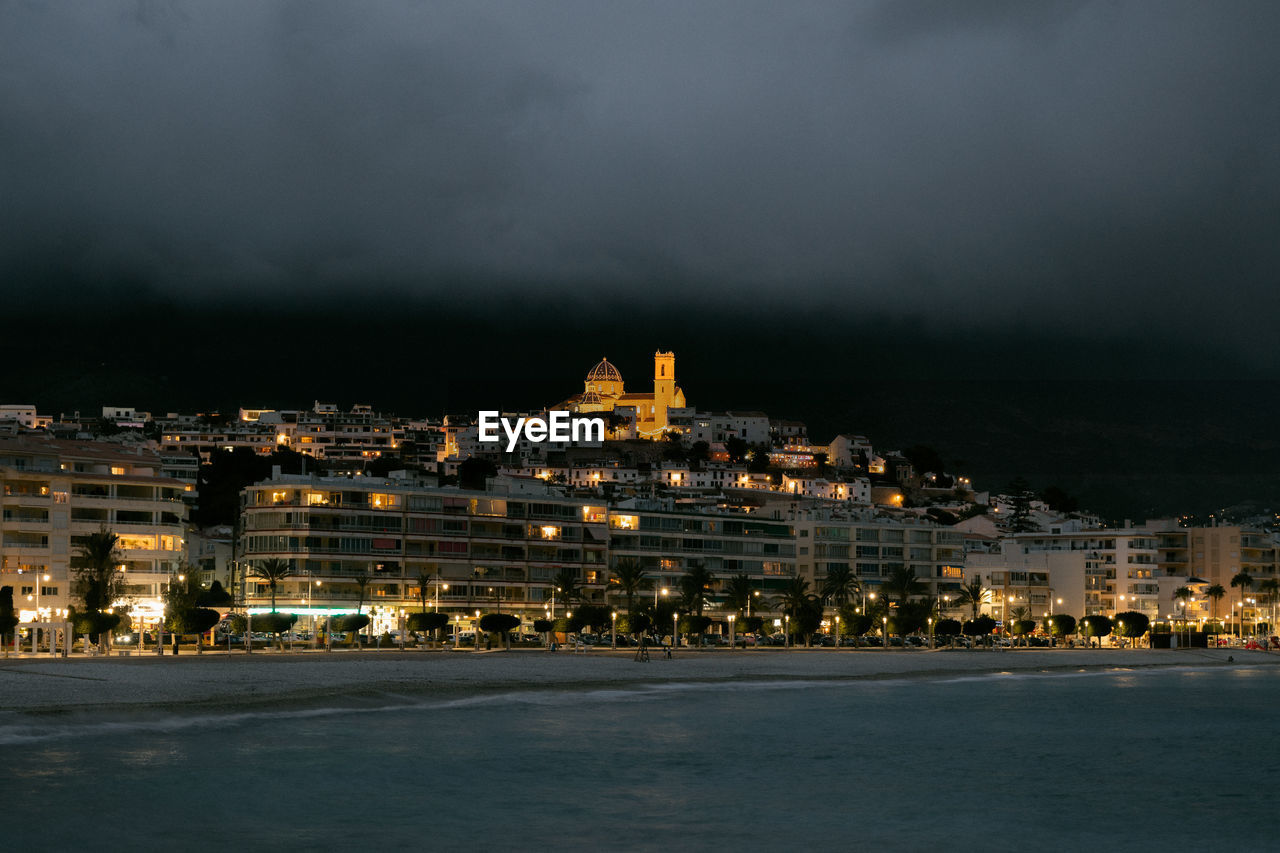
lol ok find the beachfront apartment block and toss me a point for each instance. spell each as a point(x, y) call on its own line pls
point(371, 541)
point(364, 541)
point(55, 493)
point(667, 541)
point(1120, 568)
point(873, 548)
point(1036, 583)
point(1207, 556)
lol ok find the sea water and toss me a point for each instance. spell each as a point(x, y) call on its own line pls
point(1043, 761)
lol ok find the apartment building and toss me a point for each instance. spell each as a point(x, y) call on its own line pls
point(351, 537)
point(1037, 582)
point(873, 548)
point(324, 432)
point(751, 427)
point(668, 541)
point(855, 490)
point(1121, 569)
point(348, 537)
point(1207, 556)
point(56, 493)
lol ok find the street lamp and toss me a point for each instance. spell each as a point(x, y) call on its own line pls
point(438, 585)
point(675, 627)
point(837, 630)
point(1186, 628)
point(885, 631)
point(755, 593)
point(786, 638)
point(655, 595)
point(930, 632)
point(312, 583)
point(733, 637)
point(39, 581)
point(613, 629)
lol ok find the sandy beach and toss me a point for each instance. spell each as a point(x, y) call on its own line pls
point(44, 685)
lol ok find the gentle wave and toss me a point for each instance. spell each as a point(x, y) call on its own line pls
point(20, 734)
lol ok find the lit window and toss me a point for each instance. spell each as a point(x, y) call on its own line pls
point(550, 531)
point(117, 470)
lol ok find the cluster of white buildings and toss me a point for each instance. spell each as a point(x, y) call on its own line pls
point(54, 493)
point(670, 487)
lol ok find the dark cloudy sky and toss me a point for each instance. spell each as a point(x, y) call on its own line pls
point(1097, 166)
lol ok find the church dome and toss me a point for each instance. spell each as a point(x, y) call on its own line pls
point(604, 372)
point(591, 398)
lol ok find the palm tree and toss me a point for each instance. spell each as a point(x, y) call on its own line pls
point(841, 585)
point(930, 607)
point(1184, 596)
point(902, 584)
point(98, 579)
point(1271, 589)
point(362, 581)
point(424, 581)
point(973, 594)
point(629, 577)
point(271, 572)
point(738, 592)
point(1244, 580)
point(693, 589)
point(793, 598)
point(1216, 593)
point(97, 565)
point(567, 584)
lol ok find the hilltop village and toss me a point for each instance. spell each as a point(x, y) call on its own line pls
point(371, 512)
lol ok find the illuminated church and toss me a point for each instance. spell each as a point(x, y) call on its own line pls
point(603, 391)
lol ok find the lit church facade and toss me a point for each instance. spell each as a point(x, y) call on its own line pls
point(603, 391)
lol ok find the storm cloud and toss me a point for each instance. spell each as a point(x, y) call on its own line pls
point(1113, 167)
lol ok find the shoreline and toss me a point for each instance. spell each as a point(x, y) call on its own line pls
point(45, 687)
